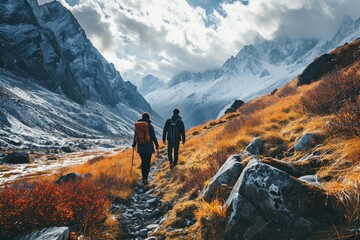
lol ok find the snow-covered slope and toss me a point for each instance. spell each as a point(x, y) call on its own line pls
point(149, 83)
point(53, 80)
point(254, 71)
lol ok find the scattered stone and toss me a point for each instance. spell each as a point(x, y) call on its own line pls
point(162, 220)
point(307, 141)
point(82, 146)
point(151, 238)
point(152, 201)
point(256, 147)
point(51, 158)
point(152, 226)
point(52, 233)
point(66, 149)
point(226, 177)
point(143, 233)
point(106, 145)
point(17, 158)
point(70, 177)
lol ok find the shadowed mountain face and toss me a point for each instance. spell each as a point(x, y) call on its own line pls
point(55, 81)
point(46, 43)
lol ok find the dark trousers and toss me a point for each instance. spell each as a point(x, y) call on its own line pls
point(174, 146)
point(145, 164)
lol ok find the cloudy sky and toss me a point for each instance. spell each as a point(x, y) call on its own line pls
point(163, 37)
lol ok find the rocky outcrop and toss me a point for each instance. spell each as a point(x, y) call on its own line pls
point(267, 203)
point(17, 158)
point(221, 184)
point(336, 60)
point(46, 44)
point(256, 147)
point(237, 103)
point(52, 233)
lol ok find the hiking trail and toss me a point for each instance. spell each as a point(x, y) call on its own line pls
point(143, 214)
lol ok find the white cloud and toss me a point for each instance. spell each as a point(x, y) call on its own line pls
point(163, 38)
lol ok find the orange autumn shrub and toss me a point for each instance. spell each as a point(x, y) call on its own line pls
point(27, 207)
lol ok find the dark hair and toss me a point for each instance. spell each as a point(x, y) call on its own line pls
point(146, 116)
point(176, 111)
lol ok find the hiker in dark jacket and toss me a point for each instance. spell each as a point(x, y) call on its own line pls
point(174, 132)
point(146, 150)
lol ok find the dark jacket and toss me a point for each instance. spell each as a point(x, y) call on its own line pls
point(180, 125)
point(147, 147)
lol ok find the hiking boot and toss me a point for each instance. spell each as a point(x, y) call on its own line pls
point(145, 182)
point(172, 165)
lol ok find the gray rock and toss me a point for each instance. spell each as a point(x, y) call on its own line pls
point(256, 147)
point(17, 158)
point(152, 226)
point(152, 201)
point(66, 149)
point(307, 141)
point(52, 233)
point(151, 238)
point(162, 220)
point(143, 233)
point(106, 145)
point(267, 203)
point(70, 177)
point(314, 180)
point(225, 178)
point(82, 146)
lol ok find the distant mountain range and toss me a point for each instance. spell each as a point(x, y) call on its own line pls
point(256, 70)
point(53, 81)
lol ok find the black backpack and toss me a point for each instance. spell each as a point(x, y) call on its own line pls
point(173, 131)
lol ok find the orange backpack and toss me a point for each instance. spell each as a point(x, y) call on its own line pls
point(142, 134)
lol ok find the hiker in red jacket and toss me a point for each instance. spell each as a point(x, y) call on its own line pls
point(174, 132)
point(144, 139)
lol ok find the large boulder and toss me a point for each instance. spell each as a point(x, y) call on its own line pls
point(307, 141)
point(17, 158)
point(256, 147)
point(293, 169)
point(52, 233)
point(226, 177)
point(236, 104)
point(267, 203)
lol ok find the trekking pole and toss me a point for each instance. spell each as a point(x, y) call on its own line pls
point(132, 161)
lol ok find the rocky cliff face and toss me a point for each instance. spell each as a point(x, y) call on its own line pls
point(47, 43)
point(54, 83)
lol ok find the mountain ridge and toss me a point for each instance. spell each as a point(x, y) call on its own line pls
point(45, 45)
point(271, 65)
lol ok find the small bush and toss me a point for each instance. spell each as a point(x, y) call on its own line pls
point(332, 93)
point(350, 203)
point(211, 218)
point(346, 121)
point(27, 207)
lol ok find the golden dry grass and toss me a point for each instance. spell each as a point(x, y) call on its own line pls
point(280, 120)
